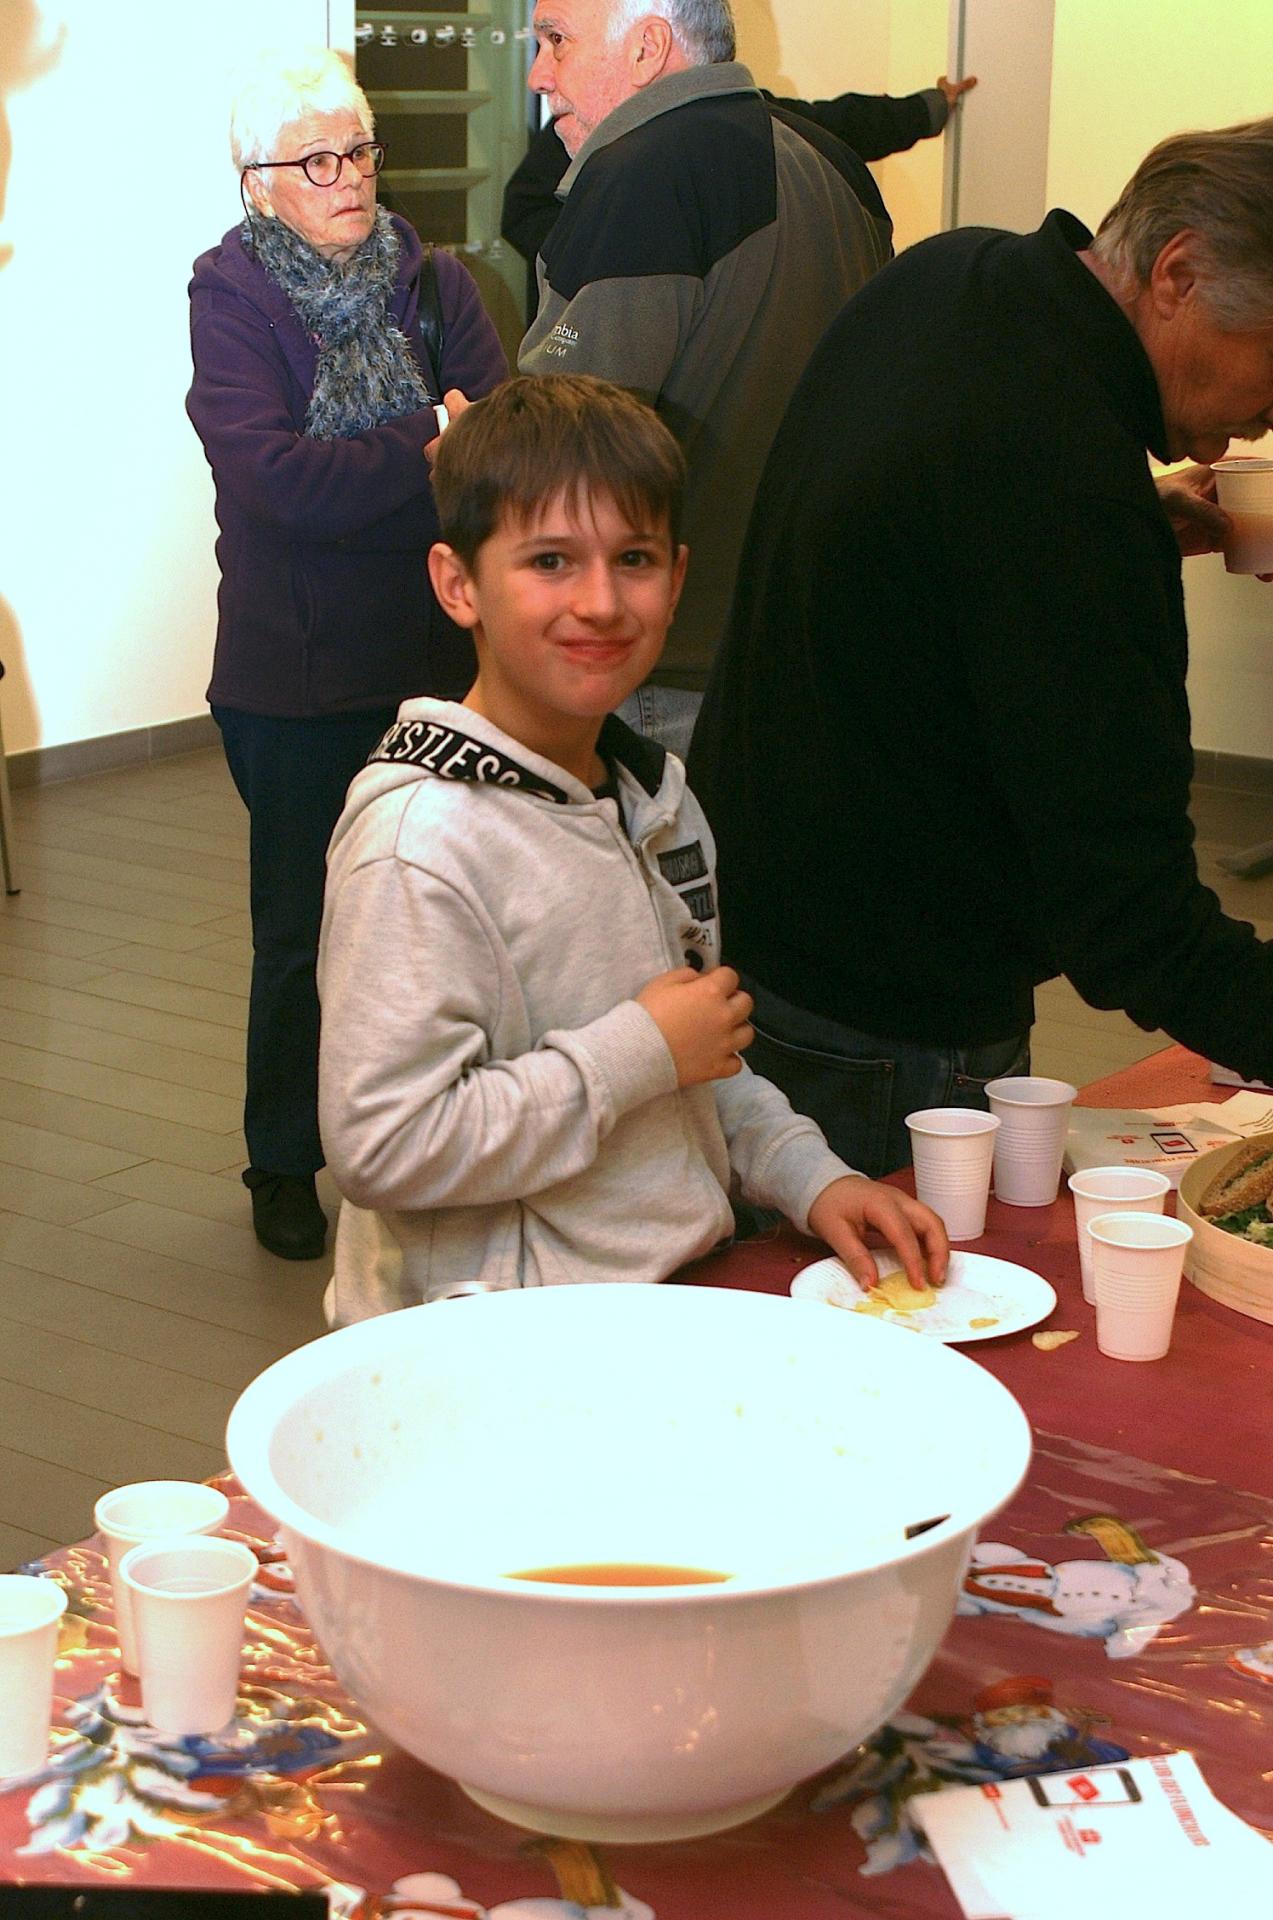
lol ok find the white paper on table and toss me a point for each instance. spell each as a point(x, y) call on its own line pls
point(1249, 1113)
point(1168, 1139)
point(1148, 1835)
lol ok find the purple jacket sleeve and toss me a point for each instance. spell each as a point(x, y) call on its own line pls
point(247, 396)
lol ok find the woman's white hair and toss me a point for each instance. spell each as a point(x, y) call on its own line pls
point(704, 29)
point(283, 87)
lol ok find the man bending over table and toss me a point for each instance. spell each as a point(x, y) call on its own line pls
point(945, 751)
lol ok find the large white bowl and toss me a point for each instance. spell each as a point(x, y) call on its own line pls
point(417, 1461)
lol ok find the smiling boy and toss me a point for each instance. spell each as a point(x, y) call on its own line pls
point(531, 1067)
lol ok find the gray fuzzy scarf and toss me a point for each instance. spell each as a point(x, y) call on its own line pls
point(366, 370)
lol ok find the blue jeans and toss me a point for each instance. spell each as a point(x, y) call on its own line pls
point(666, 714)
point(859, 1087)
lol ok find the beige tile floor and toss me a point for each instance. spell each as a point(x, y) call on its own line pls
point(134, 1300)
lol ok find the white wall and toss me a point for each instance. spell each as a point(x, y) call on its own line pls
point(119, 175)
point(1009, 47)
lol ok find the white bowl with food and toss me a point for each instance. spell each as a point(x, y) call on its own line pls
point(1226, 1196)
point(831, 1472)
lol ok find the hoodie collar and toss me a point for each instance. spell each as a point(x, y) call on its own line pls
point(452, 742)
point(661, 96)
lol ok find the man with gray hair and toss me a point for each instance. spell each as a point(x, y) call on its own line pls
point(707, 240)
point(946, 748)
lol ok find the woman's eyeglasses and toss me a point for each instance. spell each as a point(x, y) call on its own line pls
point(324, 169)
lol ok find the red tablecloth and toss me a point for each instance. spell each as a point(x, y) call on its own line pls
point(1123, 1603)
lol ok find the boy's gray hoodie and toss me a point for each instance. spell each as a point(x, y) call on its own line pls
point(496, 1108)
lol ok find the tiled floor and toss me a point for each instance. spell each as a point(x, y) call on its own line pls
point(134, 1300)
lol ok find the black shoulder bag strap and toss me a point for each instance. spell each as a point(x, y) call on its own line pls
point(429, 316)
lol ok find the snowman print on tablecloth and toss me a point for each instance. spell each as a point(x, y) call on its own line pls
point(1122, 1599)
point(586, 1891)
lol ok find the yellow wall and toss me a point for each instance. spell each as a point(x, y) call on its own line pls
point(813, 49)
point(1170, 65)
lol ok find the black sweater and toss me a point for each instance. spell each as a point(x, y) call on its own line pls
point(946, 746)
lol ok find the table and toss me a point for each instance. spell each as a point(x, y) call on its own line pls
point(1122, 1604)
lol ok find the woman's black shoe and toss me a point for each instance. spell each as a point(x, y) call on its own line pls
point(286, 1215)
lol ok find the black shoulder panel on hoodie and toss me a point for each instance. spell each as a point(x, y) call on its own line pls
point(674, 196)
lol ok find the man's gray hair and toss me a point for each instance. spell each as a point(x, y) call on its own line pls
point(704, 29)
point(1220, 185)
point(284, 86)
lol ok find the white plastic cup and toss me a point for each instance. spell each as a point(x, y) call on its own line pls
point(952, 1149)
point(30, 1610)
point(1033, 1115)
point(1244, 489)
point(189, 1596)
point(1111, 1189)
point(1138, 1260)
point(149, 1510)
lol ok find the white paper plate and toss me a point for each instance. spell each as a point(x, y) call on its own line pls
point(1004, 1296)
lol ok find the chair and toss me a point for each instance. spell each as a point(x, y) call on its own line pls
point(7, 856)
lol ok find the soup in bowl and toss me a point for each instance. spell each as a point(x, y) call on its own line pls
point(628, 1563)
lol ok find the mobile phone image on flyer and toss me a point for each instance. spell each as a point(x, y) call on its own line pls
point(1108, 1787)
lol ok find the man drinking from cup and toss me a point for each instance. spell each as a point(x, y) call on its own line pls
point(945, 750)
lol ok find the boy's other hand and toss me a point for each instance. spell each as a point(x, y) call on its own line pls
point(704, 1017)
point(844, 1211)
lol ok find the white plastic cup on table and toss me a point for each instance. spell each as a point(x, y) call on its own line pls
point(1106, 1190)
point(951, 1150)
point(1033, 1115)
point(1138, 1259)
point(189, 1596)
point(31, 1610)
point(149, 1510)
point(1244, 488)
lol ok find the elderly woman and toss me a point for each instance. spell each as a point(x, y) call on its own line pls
point(324, 339)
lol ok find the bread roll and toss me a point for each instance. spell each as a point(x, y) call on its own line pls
point(1246, 1180)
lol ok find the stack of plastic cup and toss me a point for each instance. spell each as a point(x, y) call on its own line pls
point(30, 1610)
point(148, 1510)
point(1034, 1116)
point(1103, 1190)
point(952, 1149)
point(1244, 488)
point(188, 1600)
point(1138, 1258)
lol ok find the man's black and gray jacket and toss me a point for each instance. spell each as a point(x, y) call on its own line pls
point(707, 241)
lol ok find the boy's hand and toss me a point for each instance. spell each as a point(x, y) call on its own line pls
point(843, 1211)
point(704, 1019)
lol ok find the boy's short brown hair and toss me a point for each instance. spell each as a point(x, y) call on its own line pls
point(534, 438)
